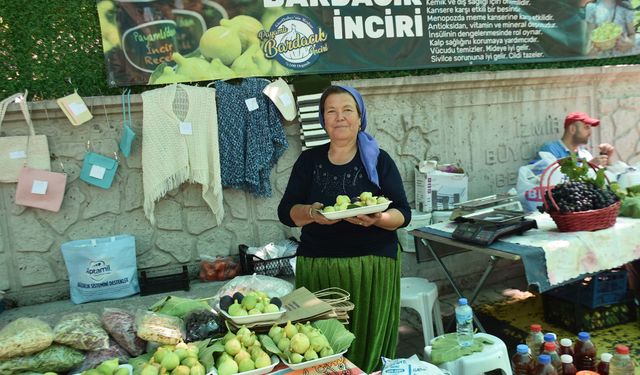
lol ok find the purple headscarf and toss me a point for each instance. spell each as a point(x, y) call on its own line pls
point(367, 145)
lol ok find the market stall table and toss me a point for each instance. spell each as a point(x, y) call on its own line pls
point(550, 258)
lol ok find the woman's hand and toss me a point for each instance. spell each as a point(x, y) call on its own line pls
point(365, 220)
point(317, 217)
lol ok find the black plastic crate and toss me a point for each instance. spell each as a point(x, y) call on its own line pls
point(605, 288)
point(576, 317)
point(250, 264)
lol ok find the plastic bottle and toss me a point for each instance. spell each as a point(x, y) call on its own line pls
point(584, 356)
point(621, 363)
point(566, 347)
point(522, 361)
point(464, 323)
point(535, 339)
point(544, 366)
point(550, 337)
point(568, 367)
point(603, 366)
point(550, 349)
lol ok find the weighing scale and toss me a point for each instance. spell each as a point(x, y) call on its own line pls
point(486, 227)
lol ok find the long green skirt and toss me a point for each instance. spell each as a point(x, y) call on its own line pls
point(374, 285)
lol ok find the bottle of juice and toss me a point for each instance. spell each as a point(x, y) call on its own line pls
point(603, 366)
point(584, 356)
point(535, 339)
point(550, 337)
point(566, 347)
point(544, 366)
point(522, 361)
point(567, 365)
point(621, 363)
point(550, 349)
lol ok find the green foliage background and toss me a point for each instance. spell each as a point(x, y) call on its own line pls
point(46, 43)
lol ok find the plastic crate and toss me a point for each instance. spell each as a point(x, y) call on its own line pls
point(603, 289)
point(577, 317)
point(250, 264)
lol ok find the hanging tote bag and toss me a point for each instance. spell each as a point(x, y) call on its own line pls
point(101, 268)
point(97, 169)
point(40, 189)
point(19, 151)
point(128, 135)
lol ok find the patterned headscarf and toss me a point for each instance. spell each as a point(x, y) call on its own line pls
point(367, 145)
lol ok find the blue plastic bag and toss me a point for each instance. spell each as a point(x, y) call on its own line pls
point(101, 268)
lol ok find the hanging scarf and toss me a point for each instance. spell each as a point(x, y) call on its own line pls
point(367, 145)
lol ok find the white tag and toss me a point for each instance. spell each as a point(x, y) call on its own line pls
point(285, 99)
point(252, 104)
point(78, 108)
point(39, 187)
point(97, 172)
point(18, 155)
point(185, 128)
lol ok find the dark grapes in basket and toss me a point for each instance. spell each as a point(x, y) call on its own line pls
point(577, 196)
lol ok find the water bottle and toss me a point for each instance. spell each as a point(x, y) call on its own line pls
point(621, 363)
point(464, 323)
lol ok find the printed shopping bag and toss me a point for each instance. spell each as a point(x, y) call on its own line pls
point(21, 151)
point(40, 189)
point(98, 170)
point(101, 268)
point(128, 135)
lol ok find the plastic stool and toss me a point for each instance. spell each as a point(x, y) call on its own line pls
point(422, 296)
point(492, 357)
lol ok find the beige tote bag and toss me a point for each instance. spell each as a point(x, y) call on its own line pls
point(21, 151)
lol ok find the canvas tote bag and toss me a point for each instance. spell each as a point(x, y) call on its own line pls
point(21, 151)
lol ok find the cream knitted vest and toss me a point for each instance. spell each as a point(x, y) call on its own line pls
point(170, 157)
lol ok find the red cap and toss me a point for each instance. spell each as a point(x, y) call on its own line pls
point(549, 346)
point(622, 349)
point(536, 327)
point(580, 116)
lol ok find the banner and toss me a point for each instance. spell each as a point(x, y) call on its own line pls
point(165, 41)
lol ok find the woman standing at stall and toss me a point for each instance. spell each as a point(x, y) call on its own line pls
point(358, 254)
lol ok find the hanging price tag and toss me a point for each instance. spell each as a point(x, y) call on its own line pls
point(185, 128)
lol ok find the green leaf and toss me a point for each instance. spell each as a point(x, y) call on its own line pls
point(178, 306)
point(446, 348)
point(205, 354)
point(338, 336)
point(270, 346)
point(599, 181)
point(138, 362)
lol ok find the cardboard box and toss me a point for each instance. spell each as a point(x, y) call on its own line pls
point(439, 191)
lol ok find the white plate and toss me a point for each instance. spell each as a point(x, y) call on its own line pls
point(351, 212)
point(315, 362)
point(248, 319)
point(259, 371)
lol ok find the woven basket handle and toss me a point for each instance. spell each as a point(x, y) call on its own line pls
point(545, 186)
point(22, 100)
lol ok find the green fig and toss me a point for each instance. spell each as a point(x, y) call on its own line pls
point(220, 71)
point(245, 64)
point(246, 365)
point(221, 42)
point(197, 369)
point(195, 68)
point(274, 329)
point(300, 343)
point(170, 361)
point(169, 76)
point(247, 28)
point(233, 347)
point(290, 330)
point(310, 355)
point(181, 370)
point(108, 367)
point(263, 360)
point(228, 367)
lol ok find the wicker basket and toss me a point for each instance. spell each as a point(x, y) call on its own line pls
point(576, 221)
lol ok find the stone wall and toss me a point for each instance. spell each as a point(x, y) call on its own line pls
point(489, 123)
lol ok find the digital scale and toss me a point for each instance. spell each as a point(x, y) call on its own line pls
point(484, 220)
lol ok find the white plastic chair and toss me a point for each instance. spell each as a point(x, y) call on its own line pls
point(492, 357)
point(422, 296)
